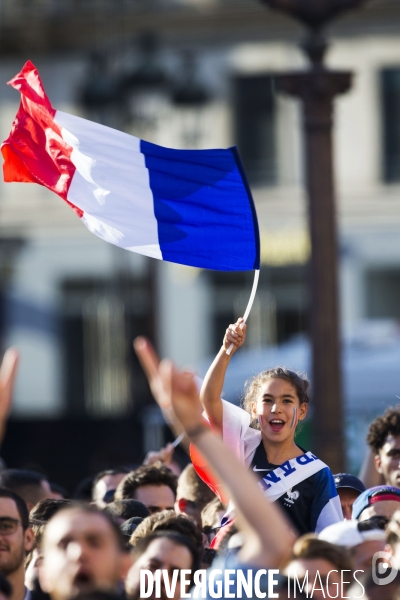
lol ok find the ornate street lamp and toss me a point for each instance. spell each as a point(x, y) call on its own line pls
point(190, 96)
point(146, 88)
point(317, 88)
point(99, 95)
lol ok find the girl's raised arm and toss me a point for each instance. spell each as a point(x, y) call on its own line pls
point(211, 390)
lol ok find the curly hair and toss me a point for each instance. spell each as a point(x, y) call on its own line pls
point(157, 474)
point(383, 426)
point(252, 386)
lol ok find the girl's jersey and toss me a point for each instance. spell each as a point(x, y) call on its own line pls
point(312, 504)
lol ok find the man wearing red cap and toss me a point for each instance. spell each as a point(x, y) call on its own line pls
point(382, 500)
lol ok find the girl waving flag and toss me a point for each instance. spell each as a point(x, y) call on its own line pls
point(262, 436)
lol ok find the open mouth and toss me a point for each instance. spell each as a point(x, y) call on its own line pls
point(82, 579)
point(277, 424)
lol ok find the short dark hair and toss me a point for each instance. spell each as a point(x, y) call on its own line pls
point(383, 426)
point(19, 503)
point(24, 482)
point(156, 474)
point(168, 520)
point(92, 510)
point(38, 518)
point(99, 476)
point(126, 509)
point(45, 509)
point(176, 538)
point(375, 522)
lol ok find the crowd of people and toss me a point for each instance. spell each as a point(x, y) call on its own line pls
point(254, 515)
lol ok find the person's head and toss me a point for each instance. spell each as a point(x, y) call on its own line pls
point(83, 550)
point(29, 485)
point(349, 488)
point(38, 518)
point(104, 483)
point(122, 510)
point(128, 527)
point(382, 500)
point(45, 509)
point(192, 494)
point(153, 485)
point(277, 400)
point(168, 550)
point(211, 516)
point(16, 538)
point(313, 556)
point(83, 491)
point(168, 520)
point(362, 539)
point(384, 440)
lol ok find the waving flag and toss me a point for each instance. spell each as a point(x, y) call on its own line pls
point(192, 207)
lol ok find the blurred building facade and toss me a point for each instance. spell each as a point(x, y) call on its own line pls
point(72, 303)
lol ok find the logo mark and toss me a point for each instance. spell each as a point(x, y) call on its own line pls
point(383, 562)
point(293, 495)
point(255, 469)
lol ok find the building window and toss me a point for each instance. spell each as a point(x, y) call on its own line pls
point(382, 293)
point(254, 107)
point(390, 84)
point(103, 378)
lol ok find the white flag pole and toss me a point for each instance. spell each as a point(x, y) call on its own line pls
point(249, 305)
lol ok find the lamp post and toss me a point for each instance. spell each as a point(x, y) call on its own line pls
point(146, 88)
point(317, 88)
point(190, 96)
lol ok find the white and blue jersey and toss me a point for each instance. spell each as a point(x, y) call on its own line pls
point(312, 502)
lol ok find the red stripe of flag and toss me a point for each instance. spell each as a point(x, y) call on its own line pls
point(35, 150)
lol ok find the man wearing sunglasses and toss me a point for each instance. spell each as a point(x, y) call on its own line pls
point(16, 539)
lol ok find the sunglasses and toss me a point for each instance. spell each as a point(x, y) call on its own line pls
point(8, 525)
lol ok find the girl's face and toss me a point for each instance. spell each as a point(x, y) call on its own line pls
point(278, 409)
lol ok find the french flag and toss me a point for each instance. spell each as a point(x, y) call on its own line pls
point(192, 207)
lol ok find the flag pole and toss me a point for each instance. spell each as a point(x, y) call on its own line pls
point(249, 305)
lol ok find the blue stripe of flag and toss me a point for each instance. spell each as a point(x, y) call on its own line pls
point(204, 208)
